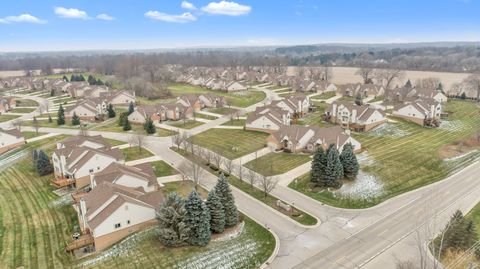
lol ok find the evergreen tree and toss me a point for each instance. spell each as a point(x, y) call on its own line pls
point(197, 219)
point(127, 126)
point(44, 167)
point(75, 119)
point(319, 164)
point(65, 78)
point(61, 116)
point(463, 96)
point(408, 84)
point(222, 189)
point(149, 126)
point(50, 118)
point(52, 92)
point(81, 78)
point(73, 77)
point(122, 119)
point(349, 162)
point(440, 87)
point(91, 80)
point(358, 99)
point(131, 108)
point(173, 231)
point(34, 158)
point(111, 111)
point(217, 212)
point(334, 169)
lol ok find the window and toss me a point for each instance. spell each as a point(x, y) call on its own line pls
point(91, 170)
point(128, 222)
point(117, 225)
point(98, 167)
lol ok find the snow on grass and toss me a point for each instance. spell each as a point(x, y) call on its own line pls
point(461, 156)
point(231, 234)
point(453, 126)
point(365, 186)
point(364, 159)
point(11, 157)
point(388, 129)
point(62, 201)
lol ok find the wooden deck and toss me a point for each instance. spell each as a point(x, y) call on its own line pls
point(82, 241)
point(60, 183)
point(78, 195)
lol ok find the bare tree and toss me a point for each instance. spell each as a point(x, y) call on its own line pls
point(386, 77)
point(83, 129)
point(17, 123)
point(193, 170)
point(327, 72)
point(427, 83)
point(35, 124)
point(473, 83)
point(366, 73)
point(268, 184)
point(240, 171)
point(252, 177)
point(228, 165)
point(46, 105)
point(217, 159)
point(137, 139)
point(178, 138)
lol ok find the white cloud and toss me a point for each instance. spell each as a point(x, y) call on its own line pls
point(188, 5)
point(226, 8)
point(105, 17)
point(182, 18)
point(23, 18)
point(71, 13)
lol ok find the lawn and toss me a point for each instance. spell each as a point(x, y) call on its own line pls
point(114, 142)
point(239, 99)
point(53, 124)
point(231, 143)
point(23, 110)
point(234, 122)
point(63, 100)
point(135, 153)
point(222, 110)
point(26, 102)
point(326, 95)
point(28, 135)
point(346, 98)
point(203, 116)
point(183, 188)
point(189, 124)
point(163, 169)
point(405, 156)
point(277, 163)
point(316, 118)
point(7, 117)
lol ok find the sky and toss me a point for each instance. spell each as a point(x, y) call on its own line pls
point(51, 25)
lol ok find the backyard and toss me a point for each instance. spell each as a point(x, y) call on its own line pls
point(231, 143)
point(277, 163)
point(136, 153)
point(188, 124)
point(404, 156)
point(163, 169)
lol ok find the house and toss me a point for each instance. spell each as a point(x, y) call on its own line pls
point(422, 112)
point(430, 93)
point(359, 118)
point(91, 91)
point(7, 104)
point(200, 101)
point(297, 105)
point(267, 119)
point(110, 212)
point(160, 112)
point(88, 109)
point(235, 86)
point(296, 138)
point(119, 98)
point(10, 139)
point(400, 94)
point(138, 176)
point(94, 142)
point(74, 161)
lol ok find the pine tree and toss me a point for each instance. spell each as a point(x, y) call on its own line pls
point(81, 78)
point(123, 117)
point(222, 189)
point(408, 84)
point(334, 169)
point(65, 78)
point(217, 212)
point(197, 220)
point(463, 96)
point(111, 111)
point(91, 80)
point(61, 116)
point(75, 119)
point(52, 92)
point(319, 164)
point(131, 108)
point(73, 77)
point(440, 87)
point(349, 162)
point(127, 126)
point(173, 231)
point(149, 127)
point(44, 167)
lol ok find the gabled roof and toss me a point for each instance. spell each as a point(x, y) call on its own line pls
point(115, 171)
point(81, 155)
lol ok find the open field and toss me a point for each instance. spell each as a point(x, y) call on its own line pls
point(188, 124)
point(230, 143)
point(404, 156)
point(7, 117)
point(35, 226)
point(240, 99)
point(277, 163)
point(136, 153)
point(163, 169)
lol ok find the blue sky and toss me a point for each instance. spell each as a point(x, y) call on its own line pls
point(33, 25)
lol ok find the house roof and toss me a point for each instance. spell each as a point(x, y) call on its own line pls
point(78, 140)
point(81, 155)
point(115, 170)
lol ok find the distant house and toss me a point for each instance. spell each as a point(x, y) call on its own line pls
point(7, 104)
point(160, 112)
point(419, 111)
point(235, 86)
point(119, 98)
point(87, 109)
point(110, 212)
point(359, 118)
point(298, 105)
point(430, 94)
point(296, 138)
point(267, 119)
point(139, 176)
point(200, 101)
point(10, 139)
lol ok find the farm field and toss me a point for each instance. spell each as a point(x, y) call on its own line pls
point(404, 156)
point(240, 99)
point(277, 163)
point(230, 143)
point(135, 153)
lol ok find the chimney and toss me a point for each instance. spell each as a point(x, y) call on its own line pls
point(59, 145)
point(92, 181)
point(83, 211)
point(353, 119)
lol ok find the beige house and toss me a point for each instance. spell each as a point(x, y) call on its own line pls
point(267, 119)
point(87, 109)
point(7, 104)
point(298, 105)
point(358, 118)
point(235, 86)
point(10, 139)
point(420, 111)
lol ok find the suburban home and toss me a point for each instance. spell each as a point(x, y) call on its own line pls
point(430, 94)
point(200, 101)
point(110, 212)
point(296, 138)
point(267, 119)
point(10, 139)
point(323, 86)
point(235, 86)
point(94, 142)
point(73, 165)
point(7, 104)
point(297, 105)
point(422, 112)
point(358, 118)
point(90, 91)
point(119, 98)
point(138, 176)
point(400, 94)
point(160, 112)
point(88, 109)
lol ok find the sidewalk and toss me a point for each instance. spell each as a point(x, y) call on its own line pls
point(251, 156)
point(209, 113)
point(144, 160)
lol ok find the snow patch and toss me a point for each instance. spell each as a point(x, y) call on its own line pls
point(234, 233)
point(453, 126)
point(62, 201)
point(365, 186)
point(388, 129)
point(461, 156)
point(364, 159)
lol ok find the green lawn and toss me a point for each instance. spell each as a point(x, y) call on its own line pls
point(325, 95)
point(207, 117)
point(234, 122)
point(63, 100)
point(7, 117)
point(114, 142)
point(28, 135)
point(316, 118)
point(53, 124)
point(135, 153)
point(183, 188)
point(189, 124)
point(222, 110)
point(231, 143)
point(163, 169)
point(277, 163)
point(26, 102)
point(23, 110)
point(346, 98)
point(410, 156)
point(239, 99)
